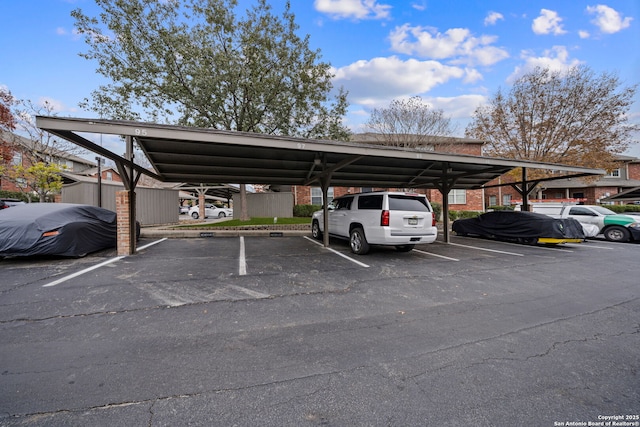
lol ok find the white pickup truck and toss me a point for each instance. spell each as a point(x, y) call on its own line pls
point(614, 227)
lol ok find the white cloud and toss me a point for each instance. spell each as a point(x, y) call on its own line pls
point(555, 59)
point(456, 44)
point(353, 9)
point(492, 18)
point(458, 107)
point(584, 34)
point(54, 105)
point(383, 79)
point(419, 6)
point(471, 75)
point(608, 20)
point(548, 23)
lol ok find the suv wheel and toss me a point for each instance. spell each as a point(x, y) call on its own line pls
point(358, 242)
point(315, 230)
point(195, 215)
point(404, 248)
point(617, 234)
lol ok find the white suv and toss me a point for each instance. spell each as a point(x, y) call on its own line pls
point(379, 218)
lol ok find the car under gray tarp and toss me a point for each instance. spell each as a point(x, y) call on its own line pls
point(519, 226)
point(59, 229)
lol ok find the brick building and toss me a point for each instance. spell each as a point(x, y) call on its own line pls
point(627, 176)
point(458, 199)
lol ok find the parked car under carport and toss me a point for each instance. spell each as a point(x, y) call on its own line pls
point(56, 229)
point(521, 227)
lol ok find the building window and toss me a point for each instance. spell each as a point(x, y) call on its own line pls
point(493, 200)
point(458, 197)
point(109, 176)
point(316, 195)
point(506, 200)
point(614, 174)
point(16, 160)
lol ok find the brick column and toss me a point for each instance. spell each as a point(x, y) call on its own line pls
point(126, 245)
point(201, 205)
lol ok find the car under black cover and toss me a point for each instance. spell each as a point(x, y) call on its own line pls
point(60, 229)
point(522, 227)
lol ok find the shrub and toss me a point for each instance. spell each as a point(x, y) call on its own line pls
point(14, 195)
point(623, 208)
point(305, 210)
point(437, 210)
point(500, 208)
point(453, 215)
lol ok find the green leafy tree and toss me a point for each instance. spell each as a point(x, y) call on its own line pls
point(196, 63)
point(44, 179)
point(574, 117)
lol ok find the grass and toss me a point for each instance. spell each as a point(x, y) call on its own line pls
point(252, 222)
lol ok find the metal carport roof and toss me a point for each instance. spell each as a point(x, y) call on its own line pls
point(188, 154)
point(631, 195)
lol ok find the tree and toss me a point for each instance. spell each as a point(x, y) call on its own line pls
point(35, 169)
point(410, 123)
point(575, 117)
point(7, 124)
point(7, 119)
point(43, 179)
point(195, 63)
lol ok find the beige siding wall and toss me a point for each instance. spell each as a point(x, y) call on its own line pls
point(265, 205)
point(153, 205)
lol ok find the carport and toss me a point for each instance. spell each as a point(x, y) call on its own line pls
point(631, 195)
point(208, 156)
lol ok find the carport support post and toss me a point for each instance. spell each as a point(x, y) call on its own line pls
point(126, 242)
point(126, 206)
point(201, 201)
point(324, 183)
point(445, 188)
point(525, 191)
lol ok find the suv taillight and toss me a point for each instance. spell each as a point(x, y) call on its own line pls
point(384, 218)
point(433, 219)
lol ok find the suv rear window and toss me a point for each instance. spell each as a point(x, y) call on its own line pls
point(370, 202)
point(407, 203)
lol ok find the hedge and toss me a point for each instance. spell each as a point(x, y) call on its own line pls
point(305, 210)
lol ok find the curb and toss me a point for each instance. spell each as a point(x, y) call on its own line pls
point(172, 233)
point(207, 233)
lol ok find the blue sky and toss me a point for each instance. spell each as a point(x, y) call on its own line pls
point(453, 53)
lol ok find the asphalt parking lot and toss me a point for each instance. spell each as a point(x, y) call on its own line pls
point(280, 331)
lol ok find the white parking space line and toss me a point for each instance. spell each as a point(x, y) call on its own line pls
point(483, 249)
point(102, 264)
point(242, 262)
point(355, 261)
point(150, 244)
point(436, 255)
point(81, 272)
